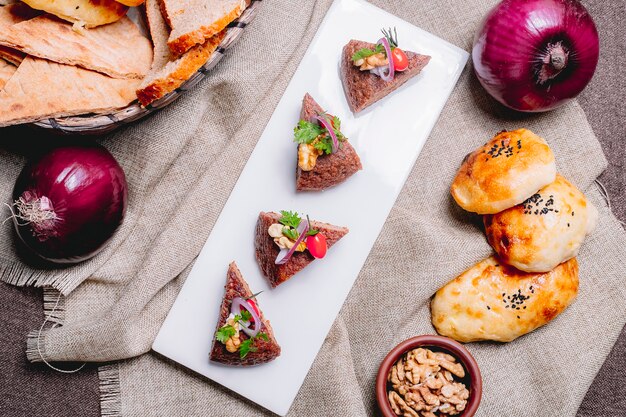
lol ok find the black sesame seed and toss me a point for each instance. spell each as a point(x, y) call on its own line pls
point(488, 308)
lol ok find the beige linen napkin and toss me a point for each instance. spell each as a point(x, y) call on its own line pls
point(182, 164)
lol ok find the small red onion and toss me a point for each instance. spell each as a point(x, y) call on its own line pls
point(69, 203)
point(535, 55)
point(387, 76)
point(285, 255)
point(323, 120)
point(239, 304)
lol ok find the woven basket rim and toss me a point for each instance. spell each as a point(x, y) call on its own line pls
point(99, 123)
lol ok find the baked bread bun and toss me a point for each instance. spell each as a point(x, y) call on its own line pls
point(504, 172)
point(543, 231)
point(131, 3)
point(88, 13)
point(493, 301)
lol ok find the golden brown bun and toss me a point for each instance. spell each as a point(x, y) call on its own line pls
point(131, 3)
point(493, 301)
point(90, 13)
point(504, 172)
point(545, 230)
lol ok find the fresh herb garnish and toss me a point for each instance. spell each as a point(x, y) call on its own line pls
point(367, 52)
point(290, 233)
point(290, 219)
point(253, 296)
point(243, 316)
point(225, 333)
point(392, 37)
point(247, 345)
point(311, 232)
point(308, 132)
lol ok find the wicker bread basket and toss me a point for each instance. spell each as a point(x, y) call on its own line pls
point(98, 124)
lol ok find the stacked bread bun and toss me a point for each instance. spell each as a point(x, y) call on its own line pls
point(536, 221)
point(86, 13)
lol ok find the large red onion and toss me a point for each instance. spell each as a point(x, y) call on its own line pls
point(68, 203)
point(535, 55)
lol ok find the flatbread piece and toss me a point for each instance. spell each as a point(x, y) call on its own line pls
point(6, 72)
point(118, 49)
point(42, 89)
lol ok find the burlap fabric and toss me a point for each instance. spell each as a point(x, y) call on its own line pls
point(182, 164)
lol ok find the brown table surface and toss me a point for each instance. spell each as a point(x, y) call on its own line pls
point(35, 390)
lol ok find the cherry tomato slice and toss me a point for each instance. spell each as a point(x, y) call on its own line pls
point(400, 60)
point(316, 245)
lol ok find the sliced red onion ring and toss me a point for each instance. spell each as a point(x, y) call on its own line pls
point(328, 126)
point(239, 304)
point(392, 69)
point(284, 255)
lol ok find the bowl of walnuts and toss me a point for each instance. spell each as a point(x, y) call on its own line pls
point(429, 376)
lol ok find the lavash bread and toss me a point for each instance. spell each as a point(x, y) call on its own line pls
point(504, 172)
point(543, 231)
point(6, 72)
point(193, 22)
point(41, 89)
point(169, 73)
point(87, 13)
point(118, 49)
point(493, 301)
point(11, 55)
point(9, 16)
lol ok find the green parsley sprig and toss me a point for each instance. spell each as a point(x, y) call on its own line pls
point(291, 220)
point(227, 331)
point(247, 345)
point(306, 132)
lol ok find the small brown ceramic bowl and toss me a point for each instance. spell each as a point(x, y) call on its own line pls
point(472, 380)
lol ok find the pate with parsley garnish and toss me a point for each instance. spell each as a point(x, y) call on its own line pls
point(325, 157)
point(243, 336)
point(368, 74)
point(286, 243)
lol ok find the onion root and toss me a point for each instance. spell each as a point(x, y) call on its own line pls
point(36, 212)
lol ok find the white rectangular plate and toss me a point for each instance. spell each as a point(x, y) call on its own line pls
point(388, 137)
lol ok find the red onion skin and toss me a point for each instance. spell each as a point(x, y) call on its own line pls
point(88, 193)
point(513, 45)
